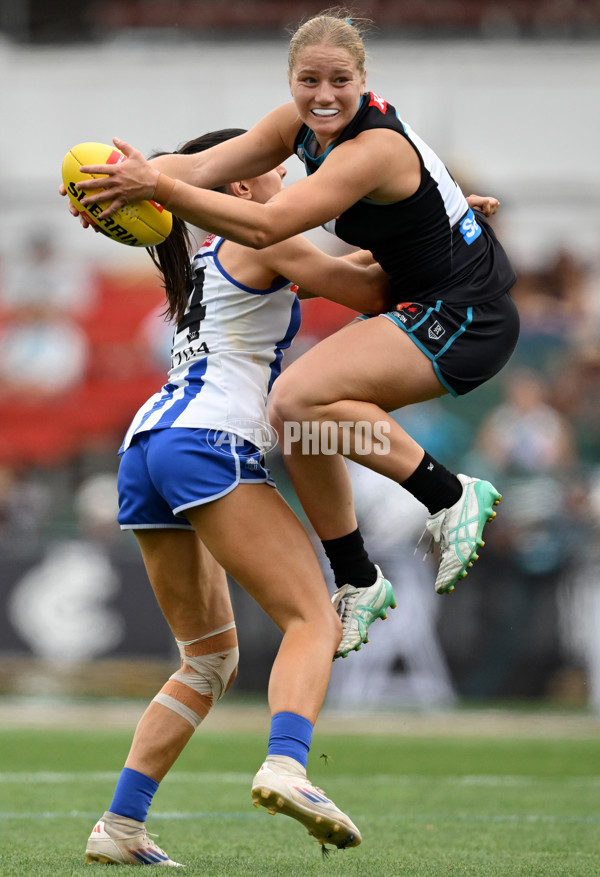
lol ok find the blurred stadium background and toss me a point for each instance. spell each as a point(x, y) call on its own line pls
point(507, 93)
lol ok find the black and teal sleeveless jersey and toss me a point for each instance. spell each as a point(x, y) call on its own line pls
point(431, 245)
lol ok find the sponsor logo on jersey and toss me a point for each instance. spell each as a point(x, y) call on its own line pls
point(470, 228)
point(188, 354)
point(436, 330)
point(378, 102)
point(408, 311)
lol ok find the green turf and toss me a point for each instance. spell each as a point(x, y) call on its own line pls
point(482, 807)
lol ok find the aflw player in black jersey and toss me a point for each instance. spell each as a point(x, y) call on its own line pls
point(451, 324)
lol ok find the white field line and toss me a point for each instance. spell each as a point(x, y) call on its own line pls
point(92, 817)
point(242, 779)
point(482, 780)
point(56, 777)
point(528, 818)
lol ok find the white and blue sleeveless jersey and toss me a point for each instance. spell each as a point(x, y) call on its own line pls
point(226, 353)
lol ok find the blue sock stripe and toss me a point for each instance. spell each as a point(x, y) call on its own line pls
point(291, 735)
point(133, 794)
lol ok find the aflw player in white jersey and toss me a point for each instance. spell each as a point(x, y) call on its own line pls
point(227, 351)
point(199, 504)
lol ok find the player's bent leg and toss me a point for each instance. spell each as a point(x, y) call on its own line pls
point(289, 586)
point(286, 581)
point(209, 666)
point(281, 785)
point(192, 591)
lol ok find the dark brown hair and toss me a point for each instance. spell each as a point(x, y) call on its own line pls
point(172, 257)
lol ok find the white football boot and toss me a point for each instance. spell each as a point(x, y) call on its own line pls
point(458, 530)
point(119, 840)
point(281, 785)
point(358, 608)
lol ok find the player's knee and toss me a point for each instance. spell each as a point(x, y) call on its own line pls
point(208, 669)
point(325, 624)
point(287, 402)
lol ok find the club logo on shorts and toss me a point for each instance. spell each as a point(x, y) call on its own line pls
point(436, 330)
point(408, 311)
point(244, 436)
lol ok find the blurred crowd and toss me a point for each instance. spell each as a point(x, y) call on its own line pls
point(61, 21)
point(81, 348)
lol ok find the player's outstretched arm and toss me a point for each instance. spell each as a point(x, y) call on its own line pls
point(349, 174)
point(262, 148)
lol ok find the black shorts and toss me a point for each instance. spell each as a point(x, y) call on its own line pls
point(467, 345)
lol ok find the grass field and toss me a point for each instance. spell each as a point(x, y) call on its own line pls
point(428, 804)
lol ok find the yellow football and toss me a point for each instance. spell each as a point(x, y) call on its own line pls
point(139, 224)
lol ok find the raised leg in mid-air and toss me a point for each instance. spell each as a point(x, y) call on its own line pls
point(352, 405)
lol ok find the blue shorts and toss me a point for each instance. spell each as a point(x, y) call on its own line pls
point(166, 471)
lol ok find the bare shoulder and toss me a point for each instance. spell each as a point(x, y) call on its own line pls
point(253, 268)
point(383, 145)
point(386, 161)
point(281, 255)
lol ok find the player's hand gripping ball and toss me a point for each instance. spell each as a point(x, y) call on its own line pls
point(139, 224)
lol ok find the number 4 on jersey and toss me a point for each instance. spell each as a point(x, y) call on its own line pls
point(196, 310)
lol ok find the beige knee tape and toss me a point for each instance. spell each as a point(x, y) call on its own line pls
point(209, 666)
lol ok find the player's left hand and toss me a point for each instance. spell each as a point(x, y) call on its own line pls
point(131, 180)
point(485, 203)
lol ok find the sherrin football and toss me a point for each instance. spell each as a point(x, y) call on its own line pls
point(139, 224)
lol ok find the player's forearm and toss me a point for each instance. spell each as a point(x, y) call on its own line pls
point(179, 167)
point(234, 219)
point(360, 257)
point(371, 295)
point(362, 289)
point(193, 169)
point(244, 222)
point(217, 166)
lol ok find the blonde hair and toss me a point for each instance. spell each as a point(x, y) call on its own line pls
point(336, 27)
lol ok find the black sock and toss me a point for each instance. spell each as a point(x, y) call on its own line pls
point(433, 485)
point(349, 561)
